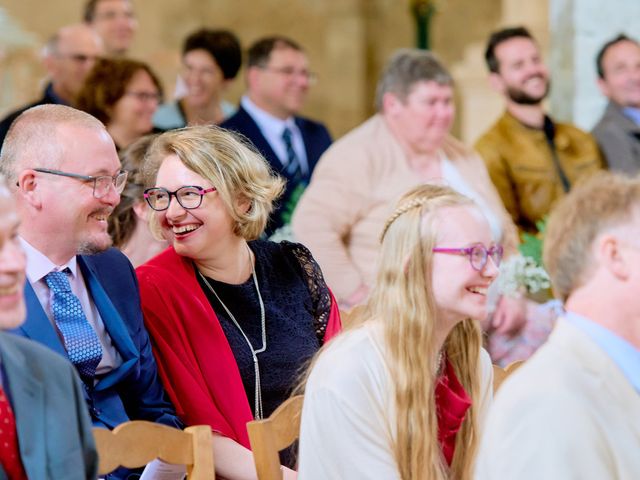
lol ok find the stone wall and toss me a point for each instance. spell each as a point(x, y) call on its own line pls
point(347, 41)
point(578, 29)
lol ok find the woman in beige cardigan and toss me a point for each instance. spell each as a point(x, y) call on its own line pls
point(360, 178)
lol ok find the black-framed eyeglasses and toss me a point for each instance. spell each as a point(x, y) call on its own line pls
point(101, 183)
point(478, 254)
point(189, 197)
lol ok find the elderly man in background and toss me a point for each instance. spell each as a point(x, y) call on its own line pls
point(618, 131)
point(115, 22)
point(572, 411)
point(45, 430)
point(82, 296)
point(533, 161)
point(360, 178)
point(68, 57)
point(278, 81)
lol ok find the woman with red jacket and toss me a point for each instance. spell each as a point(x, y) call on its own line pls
point(232, 318)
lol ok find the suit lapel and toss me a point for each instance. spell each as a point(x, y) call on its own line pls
point(309, 145)
point(27, 401)
point(260, 142)
point(114, 325)
point(37, 326)
point(617, 115)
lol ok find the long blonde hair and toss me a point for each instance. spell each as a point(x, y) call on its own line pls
point(403, 301)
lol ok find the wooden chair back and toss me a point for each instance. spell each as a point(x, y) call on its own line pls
point(134, 444)
point(500, 374)
point(273, 434)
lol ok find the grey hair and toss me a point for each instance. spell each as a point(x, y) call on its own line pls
point(405, 68)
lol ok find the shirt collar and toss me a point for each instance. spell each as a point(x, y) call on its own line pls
point(39, 265)
point(632, 113)
point(623, 353)
point(266, 122)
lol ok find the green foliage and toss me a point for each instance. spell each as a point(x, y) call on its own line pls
point(531, 245)
point(290, 206)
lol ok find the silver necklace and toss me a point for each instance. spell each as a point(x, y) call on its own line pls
point(258, 413)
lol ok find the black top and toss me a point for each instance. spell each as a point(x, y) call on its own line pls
point(297, 305)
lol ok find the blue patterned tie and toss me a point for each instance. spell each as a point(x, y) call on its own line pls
point(293, 168)
point(80, 339)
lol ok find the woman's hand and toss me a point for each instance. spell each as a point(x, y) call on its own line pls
point(510, 316)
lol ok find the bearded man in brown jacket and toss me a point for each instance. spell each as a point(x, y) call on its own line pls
point(532, 160)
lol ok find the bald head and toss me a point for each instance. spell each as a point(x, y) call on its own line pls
point(33, 139)
point(69, 55)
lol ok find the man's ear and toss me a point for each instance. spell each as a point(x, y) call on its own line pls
point(251, 76)
point(609, 254)
point(50, 64)
point(496, 82)
point(29, 187)
point(604, 88)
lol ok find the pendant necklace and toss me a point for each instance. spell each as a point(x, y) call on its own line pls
point(258, 413)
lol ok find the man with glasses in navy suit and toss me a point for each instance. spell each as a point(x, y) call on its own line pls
point(82, 296)
point(278, 81)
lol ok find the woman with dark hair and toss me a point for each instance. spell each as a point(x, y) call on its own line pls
point(211, 60)
point(123, 94)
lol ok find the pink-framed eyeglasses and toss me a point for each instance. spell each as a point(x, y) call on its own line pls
point(478, 254)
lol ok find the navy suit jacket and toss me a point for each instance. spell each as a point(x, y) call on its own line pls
point(54, 429)
point(316, 139)
point(132, 391)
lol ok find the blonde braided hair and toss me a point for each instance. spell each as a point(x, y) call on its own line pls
point(403, 300)
point(402, 209)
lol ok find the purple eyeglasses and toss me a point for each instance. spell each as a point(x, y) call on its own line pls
point(478, 254)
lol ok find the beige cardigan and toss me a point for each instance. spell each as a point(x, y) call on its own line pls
point(354, 189)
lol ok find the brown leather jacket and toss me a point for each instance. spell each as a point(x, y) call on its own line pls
point(522, 168)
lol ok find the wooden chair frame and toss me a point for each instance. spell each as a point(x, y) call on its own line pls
point(500, 374)
point(273, 434)
point(134, 444)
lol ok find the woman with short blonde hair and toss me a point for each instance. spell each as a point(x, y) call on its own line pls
point(232, 318)
point(237, 170)
point(407, 386)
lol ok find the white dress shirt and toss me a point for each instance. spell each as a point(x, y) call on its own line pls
point(38, 266)
point(272, 128)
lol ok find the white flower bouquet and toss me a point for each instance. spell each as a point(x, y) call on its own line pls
point(520, 274)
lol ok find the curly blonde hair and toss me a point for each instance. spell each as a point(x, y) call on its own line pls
point(230, 164)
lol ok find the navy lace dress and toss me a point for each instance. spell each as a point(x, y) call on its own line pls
point(297, 305)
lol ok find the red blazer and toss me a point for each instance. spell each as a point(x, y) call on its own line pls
point(194, 359)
